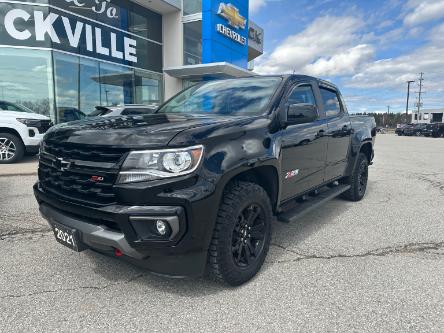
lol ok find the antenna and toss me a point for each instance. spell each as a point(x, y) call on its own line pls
point(420, 92)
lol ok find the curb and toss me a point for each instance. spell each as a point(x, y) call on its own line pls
point(18, 174)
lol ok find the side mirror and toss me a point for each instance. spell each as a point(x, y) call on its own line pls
point(301, 114)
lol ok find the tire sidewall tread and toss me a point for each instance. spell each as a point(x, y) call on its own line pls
point(236, 196)
point(353, 193)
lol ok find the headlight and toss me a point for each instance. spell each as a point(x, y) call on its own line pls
point(158, 164)
point(29, 122)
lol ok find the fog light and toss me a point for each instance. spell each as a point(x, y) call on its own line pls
point(161, 227)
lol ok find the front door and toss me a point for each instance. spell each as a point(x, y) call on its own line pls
point(304, 148)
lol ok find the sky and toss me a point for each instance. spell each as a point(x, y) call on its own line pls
point(368, 48)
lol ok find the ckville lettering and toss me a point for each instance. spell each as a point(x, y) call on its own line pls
point(224, 30)
point(44, 26)
point(100, 7)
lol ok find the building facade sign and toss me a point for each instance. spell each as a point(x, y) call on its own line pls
point(225, 32)
point(256, 37)
point(54, 28)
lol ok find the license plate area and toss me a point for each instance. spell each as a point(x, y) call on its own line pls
point(68, 237)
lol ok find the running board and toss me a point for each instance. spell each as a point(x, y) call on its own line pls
point(310, 204)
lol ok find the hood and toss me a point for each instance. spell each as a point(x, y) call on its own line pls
point(24, 115)
point(145, 131)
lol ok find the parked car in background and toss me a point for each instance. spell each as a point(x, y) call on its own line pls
point(67, 114)
point(414, 130)
point(435, 130)
point(401, 127)
point(123, 110)
point(380, 130)
point(21, 131)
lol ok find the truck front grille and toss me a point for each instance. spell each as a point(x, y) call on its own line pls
point(79, 173)
point(44, 126)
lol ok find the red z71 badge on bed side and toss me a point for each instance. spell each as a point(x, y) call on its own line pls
point(291, 174)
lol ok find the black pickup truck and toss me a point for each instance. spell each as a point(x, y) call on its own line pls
point(195, 186)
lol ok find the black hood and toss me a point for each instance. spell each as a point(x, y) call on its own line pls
point(154, 130)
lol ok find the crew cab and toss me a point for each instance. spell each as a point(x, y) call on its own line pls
point(21, 131)
point(195, 187)
point(434, 130)
point(414, 130)
point(400, 128)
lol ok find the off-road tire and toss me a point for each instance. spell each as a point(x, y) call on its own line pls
point(357, 180)
point(237, 198)
point(19, 148)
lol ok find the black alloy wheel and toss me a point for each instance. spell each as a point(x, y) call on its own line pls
point(248, 236)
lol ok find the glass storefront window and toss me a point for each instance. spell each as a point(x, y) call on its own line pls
point(81, 84)
point(116, 84)
point(89, 87)
point(148, 88)
point(192, 43)
point(26, 79)
point(67, 87)
point(192, 7)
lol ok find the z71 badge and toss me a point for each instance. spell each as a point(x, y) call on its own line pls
point(291, 174)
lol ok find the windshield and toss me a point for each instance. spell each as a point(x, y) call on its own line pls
point(225, 97)
point(7, 106)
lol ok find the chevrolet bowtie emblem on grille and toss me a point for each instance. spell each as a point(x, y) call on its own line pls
point(231, 13)
point(61, 164)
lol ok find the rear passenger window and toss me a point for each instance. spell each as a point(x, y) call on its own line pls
point(302, 95)
point(331, 102)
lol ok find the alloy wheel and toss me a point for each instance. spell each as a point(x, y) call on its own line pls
point(7, 149)
point(248, 236)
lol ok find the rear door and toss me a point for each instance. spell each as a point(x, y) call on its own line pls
point(339, 132)
point(304, 147)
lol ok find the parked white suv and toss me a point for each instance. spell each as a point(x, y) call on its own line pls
point(21, 131)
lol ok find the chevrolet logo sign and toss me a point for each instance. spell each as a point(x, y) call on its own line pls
point(231, 14)
point(61, 164)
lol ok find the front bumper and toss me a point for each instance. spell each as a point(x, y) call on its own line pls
point(112, 227)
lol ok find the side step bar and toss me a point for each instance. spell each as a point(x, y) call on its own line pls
point(303, 208)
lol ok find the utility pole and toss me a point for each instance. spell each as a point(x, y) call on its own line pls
point(420, 92)
point(388, 115)
point(408, 97)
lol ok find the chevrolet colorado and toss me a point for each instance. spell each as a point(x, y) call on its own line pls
point(196, 185)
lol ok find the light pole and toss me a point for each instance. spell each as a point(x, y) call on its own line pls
point(388, 115)
point(408, 97)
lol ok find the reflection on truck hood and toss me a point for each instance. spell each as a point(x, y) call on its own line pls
point(154, 130)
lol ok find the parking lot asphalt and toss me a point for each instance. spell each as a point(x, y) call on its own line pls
point(374, 266)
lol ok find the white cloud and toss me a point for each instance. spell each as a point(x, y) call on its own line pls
point(255, 5)
point(393, 73)
point(343, 63)
point(424, 11)
point(328, 46)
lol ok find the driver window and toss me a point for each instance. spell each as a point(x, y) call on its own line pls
point(302, 95)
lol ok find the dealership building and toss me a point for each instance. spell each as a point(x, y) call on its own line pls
point(65, 57)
